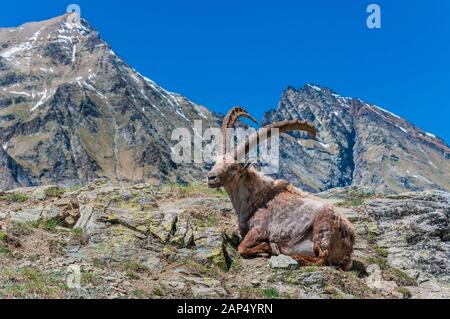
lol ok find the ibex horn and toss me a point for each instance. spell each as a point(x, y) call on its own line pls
point(230, 120)
point(266, 133)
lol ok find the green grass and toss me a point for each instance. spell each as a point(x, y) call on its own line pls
point(3, 249)
point(401, 278)
point(90, 278)
point(132, 269)
point(158, 291)
point(139, 294)
point(236, 265)
point(48, 225)
point(405, 292)
point(270, 293)
point(28, 282)
point(250, 293)
point(208, 221)
point(56, 246)
point(333, 292)
point(378, 260)
point(383, 252)
point(76, 234)
point(99, 263)
point(351, 203)
point(17, 198)
point(134, 266)
point(357, 194)
point(256, 293)
point(372, 233)
point(309, 269)
point(192, 189)
point(206, 270)
point(74, 188)
point(33, 258)
point(54, 192)
point(132, 275)
point(355, 197)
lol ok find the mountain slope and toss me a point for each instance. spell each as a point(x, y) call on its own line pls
point(358, 143)
point(12, 175)
point(71, 110)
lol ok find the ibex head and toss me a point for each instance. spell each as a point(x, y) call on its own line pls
point(227, 168)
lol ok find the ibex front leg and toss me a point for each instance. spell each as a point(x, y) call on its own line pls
point(254, 245)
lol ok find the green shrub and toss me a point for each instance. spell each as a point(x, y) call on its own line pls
point(270, 293)
point(380, 261)
point(54, 192)
point(90, 278)
point(27, 282)
point(400, 278)
point(17, 198)
point(405, 292)
point(48, 225)
point(383, 252)
point(185, 190)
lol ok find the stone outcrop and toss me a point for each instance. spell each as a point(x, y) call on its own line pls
point(180, 241)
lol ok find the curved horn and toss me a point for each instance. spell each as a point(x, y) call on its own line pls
point(233, 116)
point(230, 120)
point(266, 133)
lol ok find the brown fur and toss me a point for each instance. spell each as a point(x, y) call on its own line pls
point(276, 217)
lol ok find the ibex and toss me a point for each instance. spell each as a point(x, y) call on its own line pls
point(274, 216)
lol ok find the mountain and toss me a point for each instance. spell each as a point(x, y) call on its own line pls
point(358, 143)
point(71, 110)
point(12, 175)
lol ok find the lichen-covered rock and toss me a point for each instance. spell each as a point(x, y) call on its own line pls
point(282, 262)
point(414, 229)
point(404, 235)
point(206, 287)
point(375, 280)
point(27, 215)
point(181, 243)
point(50, 212)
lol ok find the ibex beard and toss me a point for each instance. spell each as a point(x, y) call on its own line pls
point(274, 216)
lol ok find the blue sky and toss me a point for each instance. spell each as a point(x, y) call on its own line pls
point(222, 53)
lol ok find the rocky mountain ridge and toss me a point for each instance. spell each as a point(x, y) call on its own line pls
point(358, 144)
point(71, 111)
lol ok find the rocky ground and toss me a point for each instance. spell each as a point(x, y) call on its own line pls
point(179, 241)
